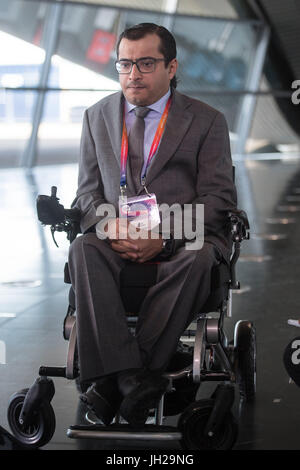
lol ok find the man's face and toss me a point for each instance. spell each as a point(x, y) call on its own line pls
point(143, 89)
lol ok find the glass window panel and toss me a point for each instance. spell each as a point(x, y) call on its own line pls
point(219, 8)
point(85, 52)
point(215, 57)
point(135, 17)
point(20, 62)
point(276, 134)
point(214, 54)
point(87, 37)
point(60, 129)
point(67, 74)
point(155, 5)
point(21, 59)
point(21, 31)
point(215, 8)
point(15, 125)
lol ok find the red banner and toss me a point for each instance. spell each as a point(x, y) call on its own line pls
point(101, 46)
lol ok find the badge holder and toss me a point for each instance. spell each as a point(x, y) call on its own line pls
point(140, 211)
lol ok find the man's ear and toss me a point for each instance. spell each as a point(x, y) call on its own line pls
point(173, 65)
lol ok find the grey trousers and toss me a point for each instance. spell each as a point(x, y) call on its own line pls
point(105, 344)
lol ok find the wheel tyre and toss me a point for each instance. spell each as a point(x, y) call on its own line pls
point(245, 357)
point(41, 429)
point(192, 425)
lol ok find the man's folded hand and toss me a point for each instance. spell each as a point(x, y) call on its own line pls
point(132, 243)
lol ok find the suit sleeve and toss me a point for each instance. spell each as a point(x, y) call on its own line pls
point(90, 192)
point(215, 186)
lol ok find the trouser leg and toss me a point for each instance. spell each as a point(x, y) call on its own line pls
point(183, 287)
point(104, 342)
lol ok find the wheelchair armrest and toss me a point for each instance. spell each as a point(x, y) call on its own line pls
point(73, 215)
point(240, 230)
point(239, 225)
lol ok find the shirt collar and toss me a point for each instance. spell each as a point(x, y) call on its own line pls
point(158, 106)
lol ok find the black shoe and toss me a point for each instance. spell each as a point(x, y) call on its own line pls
point(103, 398)
point(136, 405)
point(130, 379)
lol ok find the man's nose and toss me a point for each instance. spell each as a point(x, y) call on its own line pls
point(135, 73)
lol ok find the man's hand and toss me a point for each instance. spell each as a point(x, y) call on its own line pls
point(140, 250)
point(135, 249)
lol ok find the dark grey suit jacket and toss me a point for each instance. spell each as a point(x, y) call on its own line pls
point(193, 164)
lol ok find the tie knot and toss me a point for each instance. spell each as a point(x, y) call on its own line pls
point(141, 111)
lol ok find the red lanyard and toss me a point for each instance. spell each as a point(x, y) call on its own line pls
point(157, 138)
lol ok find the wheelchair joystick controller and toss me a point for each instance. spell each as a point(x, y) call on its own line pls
point(53, 192)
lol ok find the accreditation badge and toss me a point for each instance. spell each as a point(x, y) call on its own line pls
point(141, 211)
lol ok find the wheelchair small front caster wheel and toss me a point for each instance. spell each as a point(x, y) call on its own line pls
point(42, 424)
point(192, 424)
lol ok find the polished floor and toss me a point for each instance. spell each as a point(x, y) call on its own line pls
point(34, 298)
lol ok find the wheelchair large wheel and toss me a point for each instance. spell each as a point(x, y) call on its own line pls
point(192, 424)
point(245, 359)
point(41, 428)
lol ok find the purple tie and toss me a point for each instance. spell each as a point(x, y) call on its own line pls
point(136, 145)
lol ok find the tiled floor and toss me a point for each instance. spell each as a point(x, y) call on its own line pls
point(32, 311)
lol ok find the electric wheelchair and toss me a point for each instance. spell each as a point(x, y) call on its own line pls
point(204, 354)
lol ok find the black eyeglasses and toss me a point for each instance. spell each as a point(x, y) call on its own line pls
point(144, 65)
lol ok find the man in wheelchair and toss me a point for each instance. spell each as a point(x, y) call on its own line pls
point(146, 141)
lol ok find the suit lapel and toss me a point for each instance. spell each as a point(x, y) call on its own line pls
point(113, 116)
point(178, 122)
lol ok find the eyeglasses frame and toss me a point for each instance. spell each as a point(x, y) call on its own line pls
point(136, 63)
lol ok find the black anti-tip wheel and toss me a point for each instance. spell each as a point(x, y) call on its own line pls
point(192, 424)
point(42, 426)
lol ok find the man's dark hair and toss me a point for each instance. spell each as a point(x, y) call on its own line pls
point(167, 41)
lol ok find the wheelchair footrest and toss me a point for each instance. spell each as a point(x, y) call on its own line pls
point(124, 431)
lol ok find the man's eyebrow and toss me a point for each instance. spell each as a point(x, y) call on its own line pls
point(140, 58)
